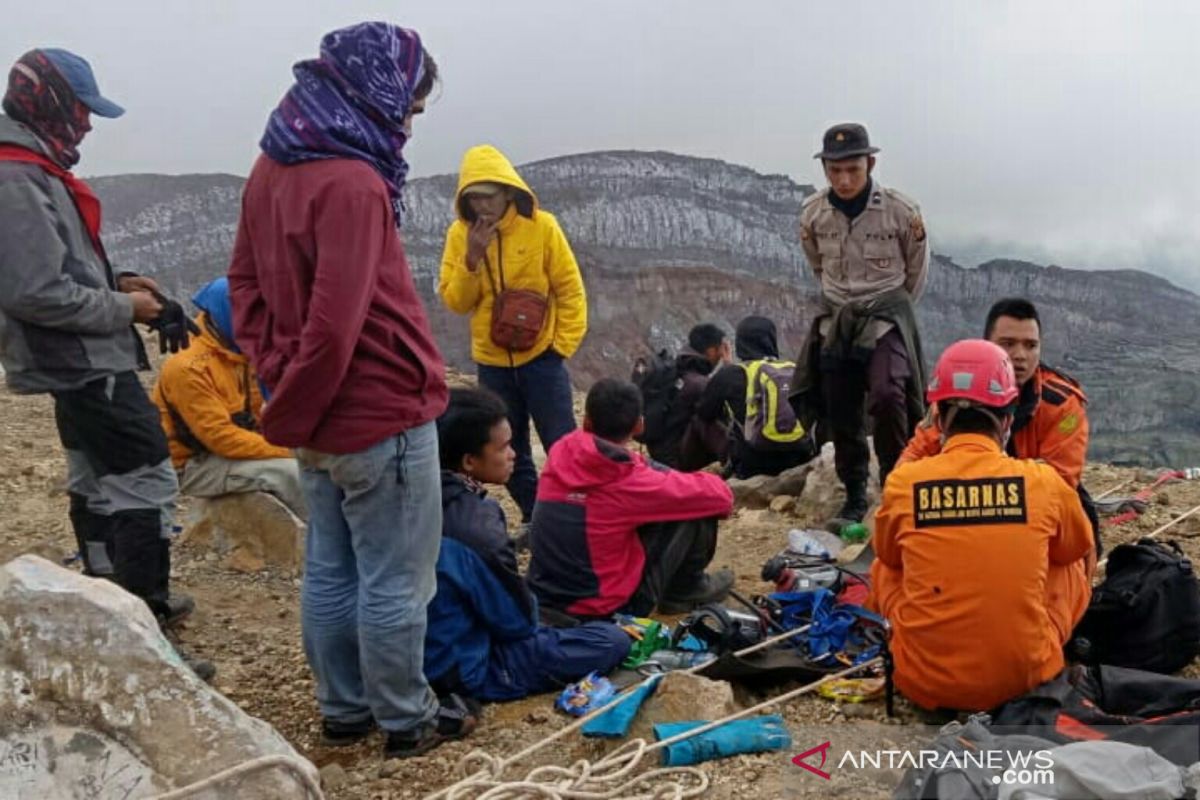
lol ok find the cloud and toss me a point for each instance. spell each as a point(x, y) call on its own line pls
point(1063, 128)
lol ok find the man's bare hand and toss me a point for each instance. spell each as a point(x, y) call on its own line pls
point(478, 239)
point(146, 307)
point(137, 283)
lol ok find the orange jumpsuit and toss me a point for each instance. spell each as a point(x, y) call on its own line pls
point(1057, 431)
point(981, 569)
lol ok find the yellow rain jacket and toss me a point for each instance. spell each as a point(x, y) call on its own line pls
point(529, 251)
point(202, 388)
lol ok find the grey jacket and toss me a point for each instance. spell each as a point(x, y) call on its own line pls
point(62, 322)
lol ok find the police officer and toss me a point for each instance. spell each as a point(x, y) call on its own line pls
point(868, 249)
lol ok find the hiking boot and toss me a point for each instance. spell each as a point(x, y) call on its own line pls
point(344, 734)
point(855, 507)
point(456, 718)
point(710, 588)
point(176, 609)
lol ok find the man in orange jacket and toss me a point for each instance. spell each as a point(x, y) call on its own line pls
point(1050, 422)
point(984, 562)
point(210, 405)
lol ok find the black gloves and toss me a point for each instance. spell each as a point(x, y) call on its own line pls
point(173, 325)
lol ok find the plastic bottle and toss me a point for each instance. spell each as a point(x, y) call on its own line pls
point(854, 533)
point(680, 659)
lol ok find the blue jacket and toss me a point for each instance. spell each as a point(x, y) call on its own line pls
point(481, 597)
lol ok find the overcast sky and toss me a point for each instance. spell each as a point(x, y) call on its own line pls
point(1056, 131)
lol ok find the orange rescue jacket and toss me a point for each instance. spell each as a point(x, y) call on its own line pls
point(981, 570)
point(1055, 431)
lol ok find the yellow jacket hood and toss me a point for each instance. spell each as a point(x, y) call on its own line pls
point(484, 163)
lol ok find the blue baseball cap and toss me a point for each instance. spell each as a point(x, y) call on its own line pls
point(78, 73)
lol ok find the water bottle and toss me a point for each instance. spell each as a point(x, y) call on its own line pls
point(680, 659)
point(854, 533)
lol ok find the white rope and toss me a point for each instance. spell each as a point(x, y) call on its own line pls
point(594, 781)
point(1116, 488)
point(495, 766)
point(298, 769)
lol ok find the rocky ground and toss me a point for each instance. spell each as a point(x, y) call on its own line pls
point(248, 625)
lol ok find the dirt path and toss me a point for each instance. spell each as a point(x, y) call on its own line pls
point(248, 626)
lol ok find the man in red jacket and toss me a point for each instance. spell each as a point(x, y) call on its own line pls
point(325, 307)
point(613, 531)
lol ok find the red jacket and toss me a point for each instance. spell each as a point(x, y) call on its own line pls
point(593, 496)
point(325, 307)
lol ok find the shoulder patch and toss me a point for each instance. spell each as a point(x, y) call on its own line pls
point(918, 228)
point(1068, 424)
point(979, 501)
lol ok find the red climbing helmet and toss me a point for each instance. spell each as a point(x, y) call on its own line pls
point(974, 370)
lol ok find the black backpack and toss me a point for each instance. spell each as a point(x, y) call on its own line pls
point(1146, 613)
point(658, 379)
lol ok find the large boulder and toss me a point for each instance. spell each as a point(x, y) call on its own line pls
point(760, 490)
point(248, 531)
point(823, 493)
point(96, 703)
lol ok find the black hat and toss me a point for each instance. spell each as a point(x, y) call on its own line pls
point(846, 141)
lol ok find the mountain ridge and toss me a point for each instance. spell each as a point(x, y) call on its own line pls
point(667, 240)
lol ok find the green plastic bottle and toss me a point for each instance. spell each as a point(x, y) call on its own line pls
point(854, 533)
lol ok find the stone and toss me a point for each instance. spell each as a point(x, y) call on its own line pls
point(389, 768)
point(790, 482)
point(782, 504)
point(759, 491)
point(682, 697)
point(751, 492)
point(334, 777)
point(92, 694)
point(248, 531)
point(824, 494)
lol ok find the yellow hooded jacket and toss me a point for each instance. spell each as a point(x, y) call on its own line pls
point(206, 384)
point(534, 254)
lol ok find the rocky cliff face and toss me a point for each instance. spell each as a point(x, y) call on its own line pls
point(666, 241)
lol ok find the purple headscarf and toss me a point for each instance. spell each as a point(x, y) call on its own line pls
point(352, 102)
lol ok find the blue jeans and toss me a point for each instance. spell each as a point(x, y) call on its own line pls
point(540, 389)
point(374, 529)
point(551, 659)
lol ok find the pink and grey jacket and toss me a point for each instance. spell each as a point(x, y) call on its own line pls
point(593, 496)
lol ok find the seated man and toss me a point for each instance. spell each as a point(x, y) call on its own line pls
point(669, 436)
point(208, 399)
point(1050, 422)
point(483, 640)
point(983, 562)
point(589, 557)
point(725, 399)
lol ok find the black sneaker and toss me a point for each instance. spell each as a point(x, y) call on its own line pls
point(855, 507)
point(343, 734)
point(456, 718)
point(177, 608)
point(713, 587)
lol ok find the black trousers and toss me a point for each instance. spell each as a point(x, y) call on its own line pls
point(881, 384)
point(121, 484)
point(677, 553)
